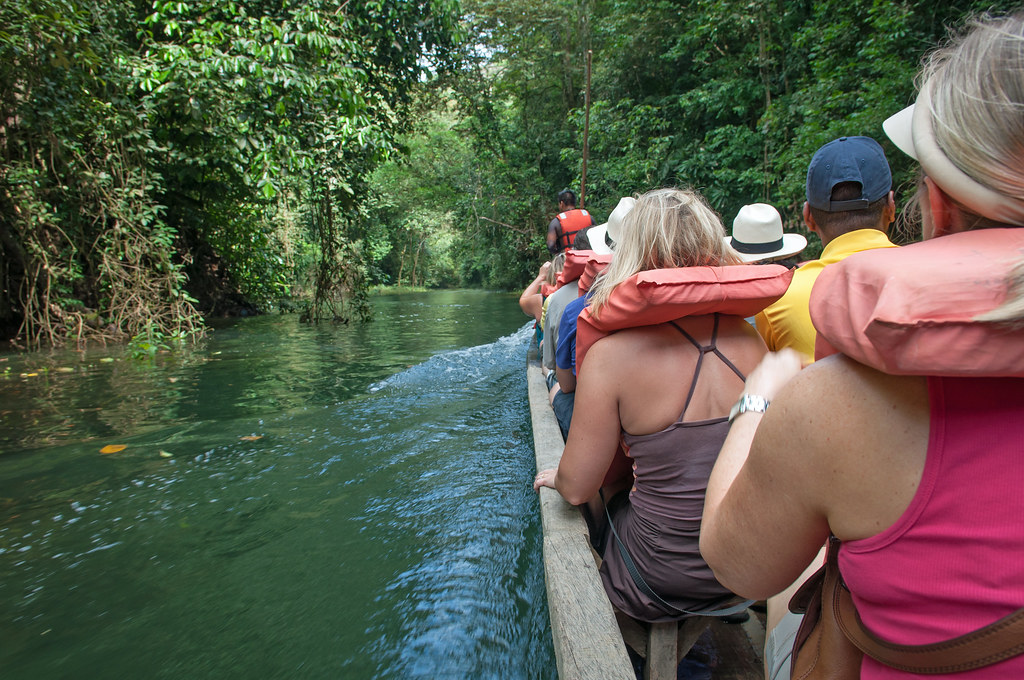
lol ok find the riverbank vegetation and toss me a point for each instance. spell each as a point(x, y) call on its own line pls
point(166, 161)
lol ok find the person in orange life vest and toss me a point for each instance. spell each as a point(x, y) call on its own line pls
point(565, 350)
point(907, 445)
point(560, 394)
point(569, 220)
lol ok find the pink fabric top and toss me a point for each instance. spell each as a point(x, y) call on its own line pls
point(954, 561)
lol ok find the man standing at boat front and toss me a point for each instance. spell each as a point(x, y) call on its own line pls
point(569, 220)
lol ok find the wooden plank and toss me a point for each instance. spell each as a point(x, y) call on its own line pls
point(689, 631)
point(586, 637)
point(739, 649)
point(661, 651)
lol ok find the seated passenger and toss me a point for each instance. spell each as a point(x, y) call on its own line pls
point(532, 300)
point(548, 288)
point(907, 446)
point(566, 290)
point(758, 238)
point(850, 206)
point(563, 391)
point(663, 390)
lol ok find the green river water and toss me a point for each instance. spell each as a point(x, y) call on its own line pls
point(291, 502)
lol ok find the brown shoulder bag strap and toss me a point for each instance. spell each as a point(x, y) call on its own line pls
point(995, 642)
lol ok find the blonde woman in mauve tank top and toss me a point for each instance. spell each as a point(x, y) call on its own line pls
point(654, 390)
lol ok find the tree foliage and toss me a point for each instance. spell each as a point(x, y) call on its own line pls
point(731, 97)
point(164, 157)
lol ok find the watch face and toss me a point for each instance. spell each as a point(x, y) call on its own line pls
point(749, 402)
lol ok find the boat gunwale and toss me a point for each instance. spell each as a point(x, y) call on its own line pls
point(587, 640)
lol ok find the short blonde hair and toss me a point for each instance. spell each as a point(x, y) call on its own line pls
point(557, 265)
point(667, 228)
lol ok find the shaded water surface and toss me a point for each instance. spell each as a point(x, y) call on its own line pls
point(292, 502)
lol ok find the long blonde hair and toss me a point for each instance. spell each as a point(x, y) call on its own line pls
point(977, 101)
point(977, 95)
point(667, 228)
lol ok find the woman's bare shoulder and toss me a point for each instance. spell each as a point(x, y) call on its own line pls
point(627, 342)
point(857, 436)
point(844, 387)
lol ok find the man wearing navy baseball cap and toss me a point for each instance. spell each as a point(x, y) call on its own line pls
point(850, 207)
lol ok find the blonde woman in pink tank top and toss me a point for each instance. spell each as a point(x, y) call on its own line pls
point(920, 476)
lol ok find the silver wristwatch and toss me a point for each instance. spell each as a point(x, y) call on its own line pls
point(749, 402)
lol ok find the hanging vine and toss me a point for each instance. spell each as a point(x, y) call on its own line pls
point(340, 291)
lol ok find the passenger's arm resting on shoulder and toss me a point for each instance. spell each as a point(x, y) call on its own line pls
point(594, 434)
point(763, 522)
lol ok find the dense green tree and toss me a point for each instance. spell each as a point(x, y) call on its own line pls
point(164, 158)
point(184, 146)
point(729, 97)
point(85, 246)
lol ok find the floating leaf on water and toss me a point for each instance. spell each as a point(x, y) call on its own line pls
point(64, 369)
point(166, 454)
point(29, 375)
point(106, 360)
point(251, 437)
point(113, 448)
point(172, 380)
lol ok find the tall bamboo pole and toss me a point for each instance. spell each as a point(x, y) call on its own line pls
point(586, 133)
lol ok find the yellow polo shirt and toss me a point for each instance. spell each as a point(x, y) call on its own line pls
point(787, 321)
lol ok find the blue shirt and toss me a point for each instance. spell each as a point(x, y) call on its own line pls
point(565, 351)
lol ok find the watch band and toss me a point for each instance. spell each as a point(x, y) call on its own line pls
point(748, 402)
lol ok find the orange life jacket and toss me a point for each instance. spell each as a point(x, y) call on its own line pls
point(912, 310)
point(596, 264)
point(576, 264)
point(571, 222)
point(662, 295)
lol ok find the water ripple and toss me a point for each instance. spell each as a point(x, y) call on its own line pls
point(368, 527)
